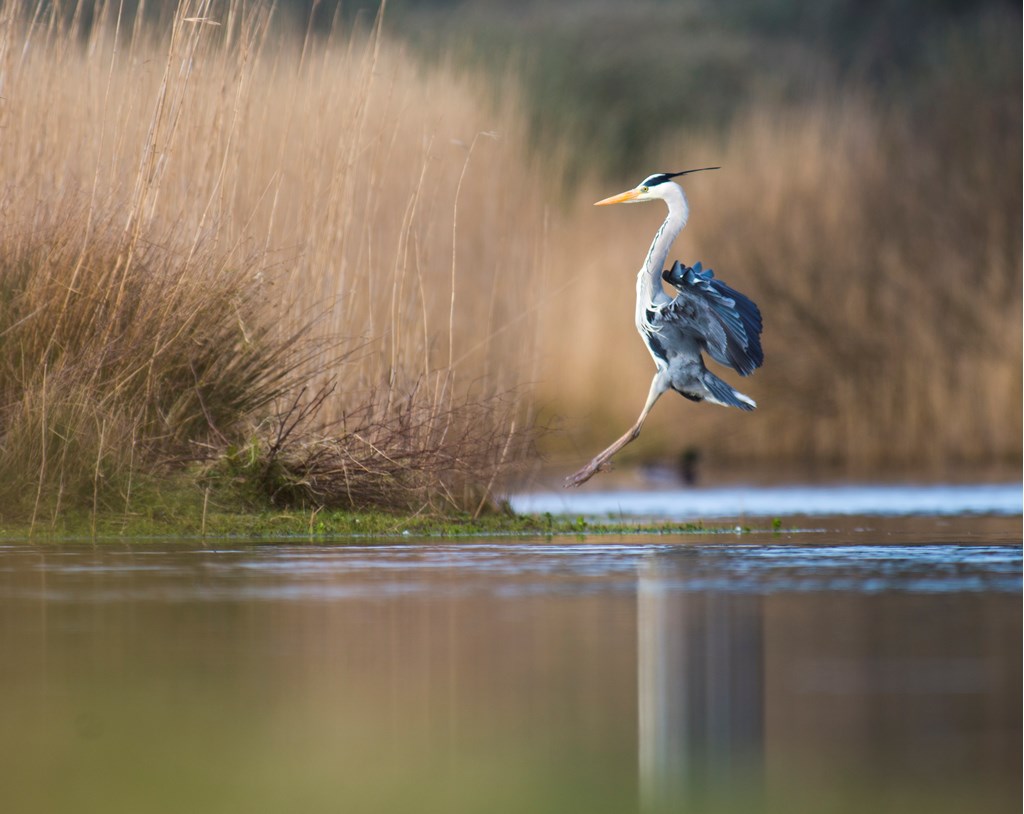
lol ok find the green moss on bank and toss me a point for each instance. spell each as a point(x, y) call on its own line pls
point(191, 505)
point(326, 525)
point(171, 517)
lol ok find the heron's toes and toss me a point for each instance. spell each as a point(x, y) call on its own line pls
point(585, 474)
point(573, 481)
point(581, 477)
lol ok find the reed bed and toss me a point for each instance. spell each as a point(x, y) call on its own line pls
point(296, 268)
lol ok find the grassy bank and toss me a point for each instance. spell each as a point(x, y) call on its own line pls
point(262, 263)
point(174, 515)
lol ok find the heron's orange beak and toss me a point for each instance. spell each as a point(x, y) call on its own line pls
point(622, 197)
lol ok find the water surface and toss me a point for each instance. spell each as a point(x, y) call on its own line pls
point(878, 500)
point(857, 665)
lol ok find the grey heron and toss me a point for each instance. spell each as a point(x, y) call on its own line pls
point(705, 315)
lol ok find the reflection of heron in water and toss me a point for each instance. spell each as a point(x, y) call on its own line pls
point(704, 316)
point(700, 689)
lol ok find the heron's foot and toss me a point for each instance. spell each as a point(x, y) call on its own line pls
point(585, 474)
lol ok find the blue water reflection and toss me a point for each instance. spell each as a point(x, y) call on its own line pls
point(891, 500)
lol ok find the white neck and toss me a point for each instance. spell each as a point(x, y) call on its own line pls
point(648, 281)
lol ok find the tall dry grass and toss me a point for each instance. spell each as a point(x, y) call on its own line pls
point(886, 257)
point(222, 239)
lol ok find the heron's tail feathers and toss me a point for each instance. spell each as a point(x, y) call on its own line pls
point(718, 392)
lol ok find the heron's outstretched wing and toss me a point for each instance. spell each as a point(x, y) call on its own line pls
point(726, 323)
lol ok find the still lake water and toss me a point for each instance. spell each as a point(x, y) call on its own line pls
point(850, 664)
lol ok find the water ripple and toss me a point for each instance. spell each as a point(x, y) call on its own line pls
point(335, 573)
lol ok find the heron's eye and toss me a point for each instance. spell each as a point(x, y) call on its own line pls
point(644, 189)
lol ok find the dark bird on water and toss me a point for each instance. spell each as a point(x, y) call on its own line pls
point(705, 316)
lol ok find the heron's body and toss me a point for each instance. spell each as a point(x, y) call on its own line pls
point(705, 315)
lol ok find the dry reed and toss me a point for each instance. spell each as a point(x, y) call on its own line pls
point(203, 223)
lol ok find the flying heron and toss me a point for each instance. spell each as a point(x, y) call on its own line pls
point(705, 315)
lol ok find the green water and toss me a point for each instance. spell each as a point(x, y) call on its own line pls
point(814, 671)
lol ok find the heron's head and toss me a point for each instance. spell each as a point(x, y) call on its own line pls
point(657, 187)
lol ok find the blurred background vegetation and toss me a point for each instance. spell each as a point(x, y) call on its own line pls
point(614, 79)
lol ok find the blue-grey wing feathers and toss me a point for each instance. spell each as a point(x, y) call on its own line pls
point(725, 322)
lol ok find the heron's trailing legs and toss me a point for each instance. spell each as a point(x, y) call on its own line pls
point(658, 386)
